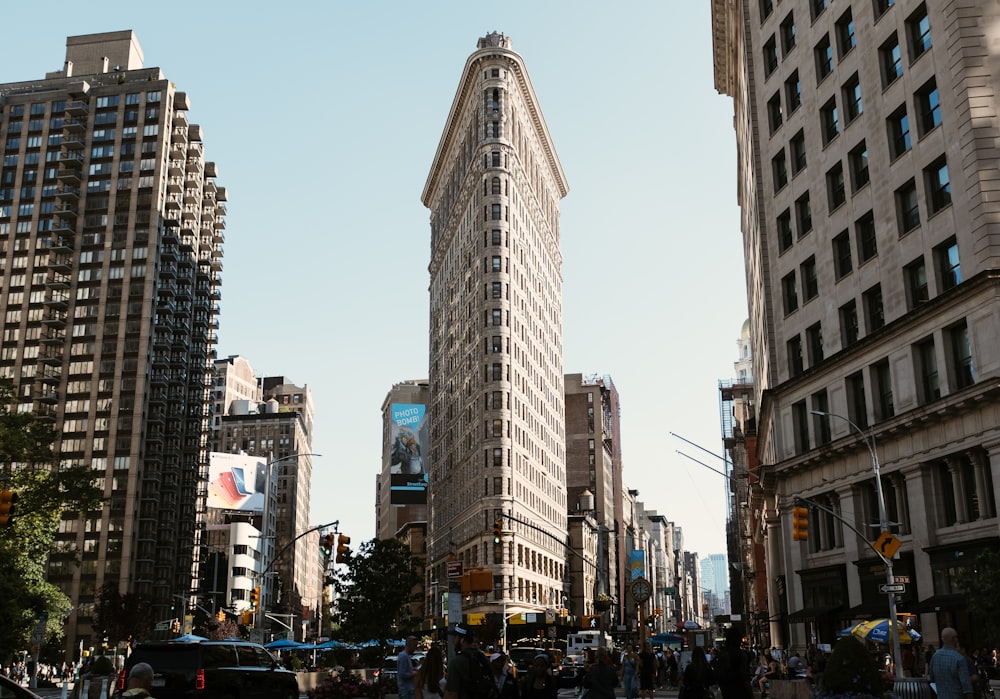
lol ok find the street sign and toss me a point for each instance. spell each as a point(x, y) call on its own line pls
point(892, 588)
point(454, 569)
point(901, 579)
point(887, 544)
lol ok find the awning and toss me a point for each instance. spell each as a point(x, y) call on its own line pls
point(810, 613)
point(866, 610)
point(939, 602)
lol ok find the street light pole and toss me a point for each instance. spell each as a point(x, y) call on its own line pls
point(883, 524)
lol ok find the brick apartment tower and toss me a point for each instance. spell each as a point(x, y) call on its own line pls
point(111, 232)
point(496, 376)
point(867, 173)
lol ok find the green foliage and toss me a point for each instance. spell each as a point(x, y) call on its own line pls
point(851, 671)
point(981, 584)
point(44, 493)
point(375, 592)
point(120, 617)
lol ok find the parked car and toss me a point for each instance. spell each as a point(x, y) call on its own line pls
point(12, 690)
point(385, 676)
point(212, 669)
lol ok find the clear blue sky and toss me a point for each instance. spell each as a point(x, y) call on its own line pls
point(323, 119)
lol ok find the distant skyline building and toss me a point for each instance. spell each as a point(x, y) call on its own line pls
point(111, 232)
point(497, 437)
point(401, 486)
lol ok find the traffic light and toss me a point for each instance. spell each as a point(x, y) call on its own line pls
point(246, 618)
point(255, 597)
point(343, 548)
point(800, 523)
point(497, 531)
point(177, 626)
point(8, 498)
point(326, 545)
point(220, 615)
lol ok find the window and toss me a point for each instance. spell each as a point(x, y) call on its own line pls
point(857, 407)
point(496, 290)
point(829, 121)
point(803, 215)
point(852, 98)
point(496, 263)
point(766, 8)
point(495, 212)
point(899, 132)
point(849, 331)
point(949, 270)
point(789, 293)
point(938, 185)
point(891, 60)
point(800, 422)
point(770, 55)
point(907, 209)
point(793, 92)
point(794, 348)
point(774, 118)
point(810, 285)
point(788, 34)
point(925, 361)
point(784, 224)
point(846, 40)
point(874, 309)
point(821, 423)
point(842, 261)
point(836, 193)
point(824, 58)
point(928, 106)
point(797, 147)
point(779, 168)
point(918, 27)
point(960, 356)
point(817, 7)
point(864, 230)
point(814, 344)
point(882, 6)
point(915, 275)
point(858, 160)
point(881, 380)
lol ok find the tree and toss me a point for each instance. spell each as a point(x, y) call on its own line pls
point(120, 617)
point(374, 594)
point(44, 493)
point(981, 584)
point(851, 670)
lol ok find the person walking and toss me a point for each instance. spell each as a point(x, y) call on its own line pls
point(506, 684)
point(405, 672)
point(602, 679)
point(630, 668)
point(731, 669)
point(948, 670)
point(539, 682)
point(647, 671)
point(429, 682)
point(698, 677)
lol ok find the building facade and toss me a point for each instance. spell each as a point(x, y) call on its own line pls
point(865, 179)
point(111, 227)
point(497, 438)
point(401, 486)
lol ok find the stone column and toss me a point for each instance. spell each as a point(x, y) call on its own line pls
point(775, 567)
point(954, 464)
point(987, 507)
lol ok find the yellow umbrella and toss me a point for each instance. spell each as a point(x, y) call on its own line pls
point(877, 631)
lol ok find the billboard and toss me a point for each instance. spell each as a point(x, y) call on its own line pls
point(637, 564)
point(407, 453)
point(236, 481)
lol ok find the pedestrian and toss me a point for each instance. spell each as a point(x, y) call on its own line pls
point(698, 678)
point(629, 671)
point(538, 682)
point(731, 670)
point(948, 671)
point(647, 671)
point(469, 673)
point(506, 683)
point(429, 682)
point(405, 672)
point(601, 680)
point(140, 682)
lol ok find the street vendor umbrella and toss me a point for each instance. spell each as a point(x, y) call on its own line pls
point(877, 631)
point(666, 638)
point(189, 638)
point(284, 644)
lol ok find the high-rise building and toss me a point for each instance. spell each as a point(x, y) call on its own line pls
point(111, 232)
point(497, 439)
point(866, 164)
point(401, 491)
point(593, 465)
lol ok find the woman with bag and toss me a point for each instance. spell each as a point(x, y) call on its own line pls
point(698, 678)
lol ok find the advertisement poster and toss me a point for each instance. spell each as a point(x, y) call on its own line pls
point(407, 451)
point(236, 482)
point(637, 564)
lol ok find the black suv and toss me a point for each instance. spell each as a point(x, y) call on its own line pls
point(212, 670)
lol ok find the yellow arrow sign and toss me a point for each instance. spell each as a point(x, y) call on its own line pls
point(887, 544)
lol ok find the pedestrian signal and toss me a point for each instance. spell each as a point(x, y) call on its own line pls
point(800, 523)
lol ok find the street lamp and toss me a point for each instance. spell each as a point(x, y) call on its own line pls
point(883, 525)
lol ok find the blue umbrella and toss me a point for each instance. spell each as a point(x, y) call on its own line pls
point(284, 644)
point(189, 638)
point(877, 631)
